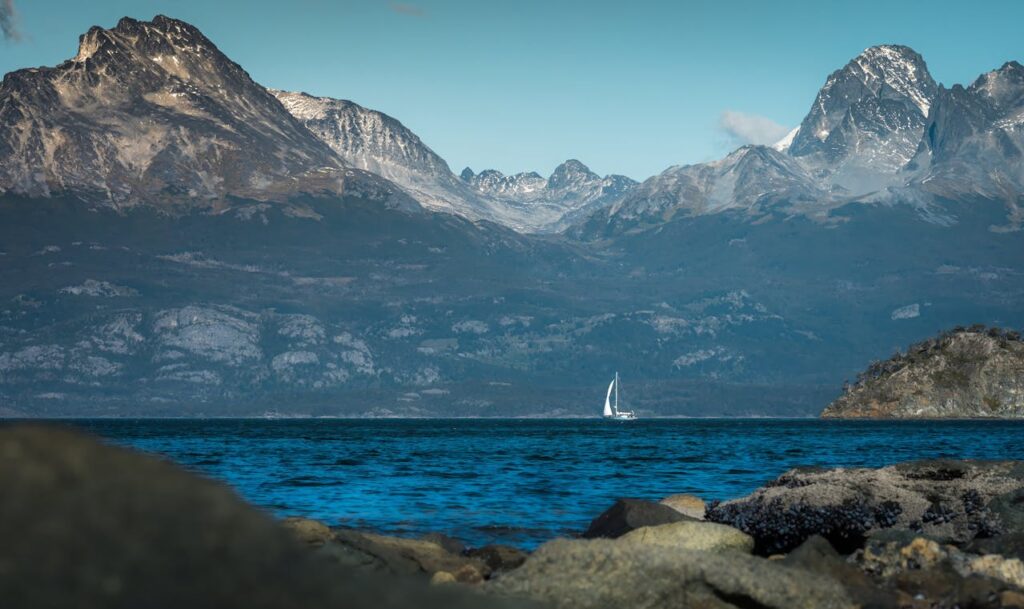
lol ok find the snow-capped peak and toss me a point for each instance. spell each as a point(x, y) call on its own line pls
point(899, 68)
point(784, 144)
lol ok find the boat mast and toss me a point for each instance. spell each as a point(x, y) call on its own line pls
point(616, 392)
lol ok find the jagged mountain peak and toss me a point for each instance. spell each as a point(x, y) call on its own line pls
point(161, 34)
point(899, 68)
point(1002, 86)
point(885, 89)
point(571, 173)
point(467, 174)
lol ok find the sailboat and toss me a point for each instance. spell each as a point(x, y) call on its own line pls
point(611, 408)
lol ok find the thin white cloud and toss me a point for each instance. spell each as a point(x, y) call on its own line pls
point(745, 128)
point(404, 8)
point(9, 21)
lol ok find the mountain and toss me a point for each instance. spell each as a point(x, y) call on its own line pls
point(855, 144)
point(966, 373)
point(867, 120)
point(152, 112)
point(556, 202)
point(380, 144)
point(974, 141)
point(250, 262)
point(753, 179)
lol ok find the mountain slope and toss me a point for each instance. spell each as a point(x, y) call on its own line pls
point(154, 112)
point(380, 144)
point(753, 179)
point(974, 141)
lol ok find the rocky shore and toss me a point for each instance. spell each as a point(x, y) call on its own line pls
point(88, 525)
point(965, 373)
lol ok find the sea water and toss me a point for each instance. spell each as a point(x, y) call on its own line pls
point(524, 481)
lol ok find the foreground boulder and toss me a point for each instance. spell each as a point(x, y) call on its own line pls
point(630, 514)
point(87, 525)
point(602, 573)
point(951, 501)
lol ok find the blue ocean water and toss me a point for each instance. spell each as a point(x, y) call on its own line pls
point(524, 481)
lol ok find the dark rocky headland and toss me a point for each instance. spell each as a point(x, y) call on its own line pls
point(88, 525)
point(974, 372)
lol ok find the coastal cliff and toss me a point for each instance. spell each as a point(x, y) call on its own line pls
point(974, 372)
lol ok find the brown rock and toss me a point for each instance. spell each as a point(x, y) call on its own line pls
point(308, 531)
point(1011, 599)
point(688, 505)
point(399, 555)
point(500, 558)
point(441, 578)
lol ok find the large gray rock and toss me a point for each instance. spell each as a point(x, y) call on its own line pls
point(599, 573)
point(87, 525)
point(946, 500)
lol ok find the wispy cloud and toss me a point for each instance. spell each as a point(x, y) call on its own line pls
point(745, 128)
point(411, 10)
point(9, 21)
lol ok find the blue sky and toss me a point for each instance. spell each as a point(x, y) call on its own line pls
point(626, 87)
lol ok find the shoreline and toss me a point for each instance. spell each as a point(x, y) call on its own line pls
point(928, 533)
point(521, 418)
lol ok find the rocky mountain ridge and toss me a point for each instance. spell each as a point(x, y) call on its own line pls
point(380, 144)
point(881, 130)
point(153, 113)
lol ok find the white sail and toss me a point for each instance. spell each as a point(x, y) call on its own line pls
point(608, 400)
